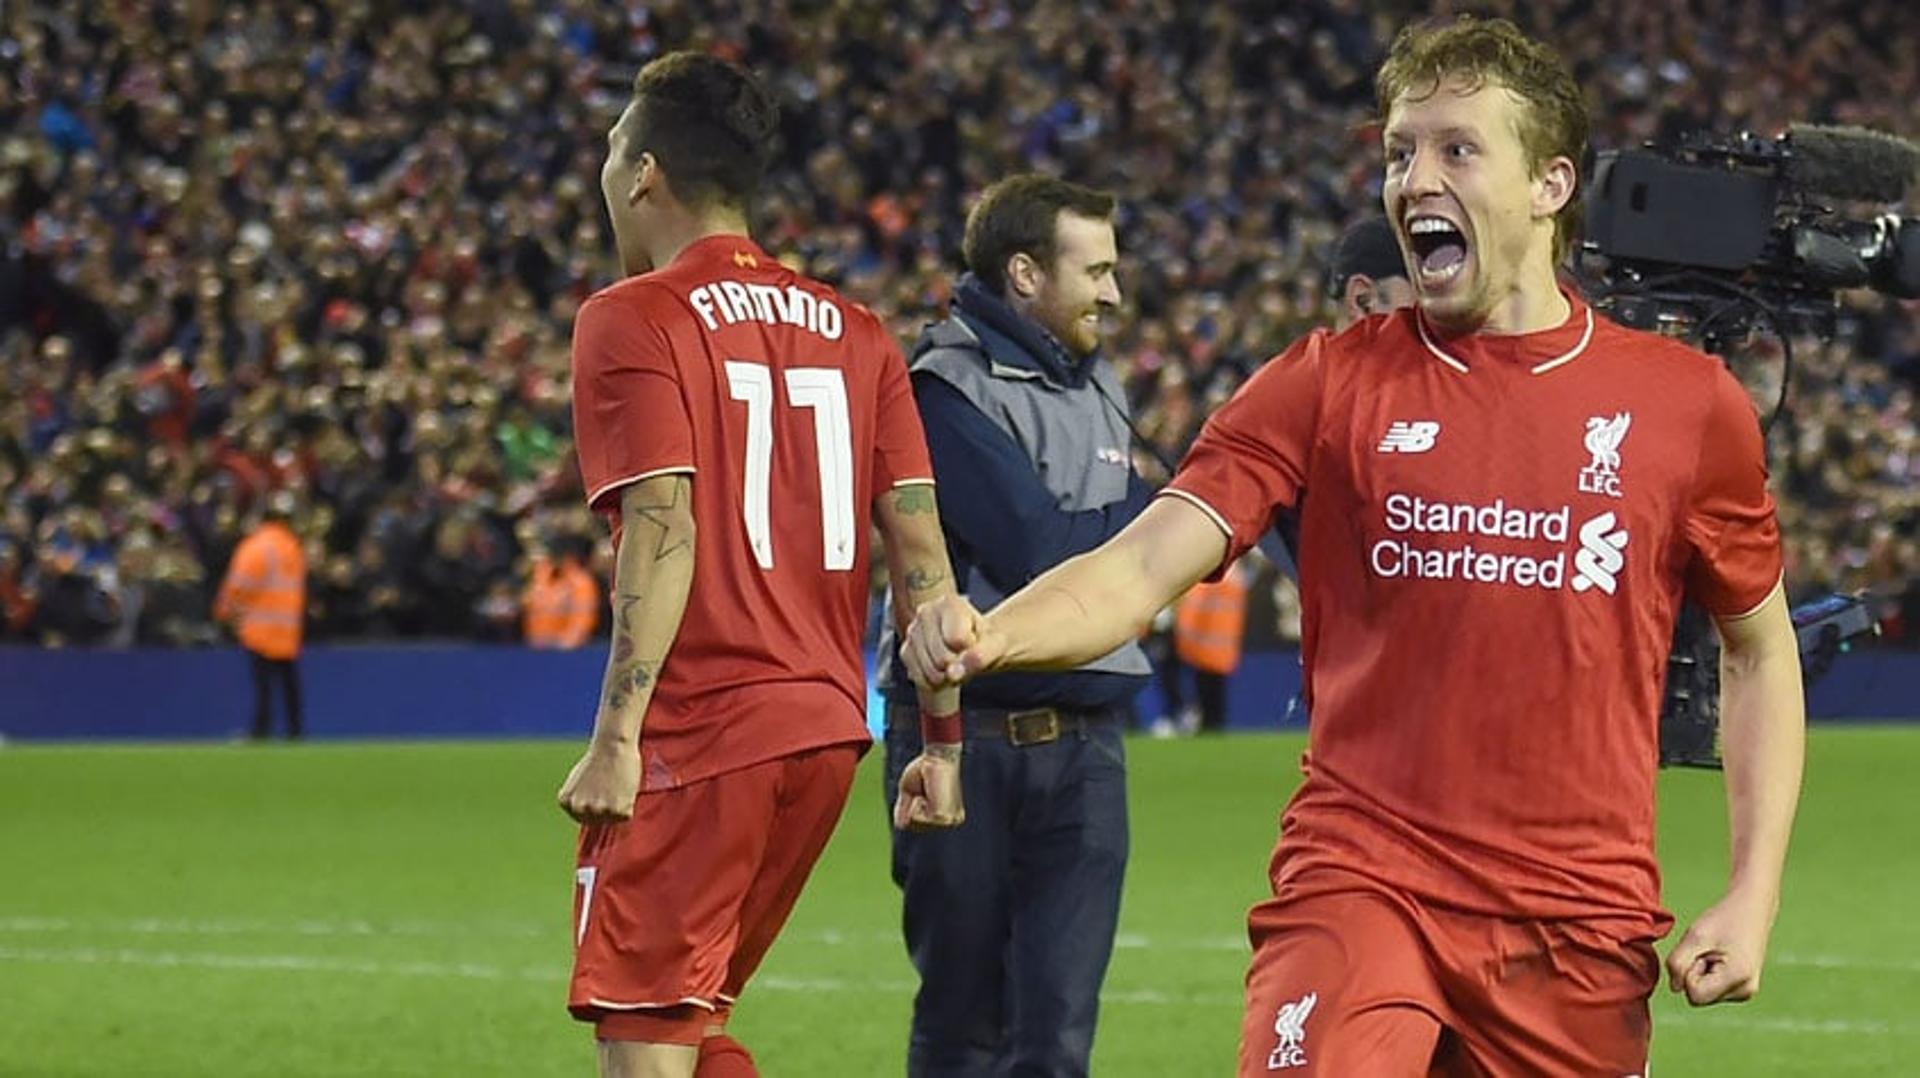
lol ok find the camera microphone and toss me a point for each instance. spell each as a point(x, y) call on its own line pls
point(1851, 163)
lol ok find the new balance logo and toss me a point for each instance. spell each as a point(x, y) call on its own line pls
point(1598, 561)
point(1290, 1024)
point(1410, 436)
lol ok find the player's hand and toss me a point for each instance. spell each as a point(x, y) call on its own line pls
point(929, 797)
point(949, 642)
point(603, 786)
point(1718, 960)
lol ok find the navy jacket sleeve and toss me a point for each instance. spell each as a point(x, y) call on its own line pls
point(1005, 520)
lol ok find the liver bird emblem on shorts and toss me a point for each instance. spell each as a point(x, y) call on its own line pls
point(1290, 1024)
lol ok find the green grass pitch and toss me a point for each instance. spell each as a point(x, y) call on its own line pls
point(402, 909)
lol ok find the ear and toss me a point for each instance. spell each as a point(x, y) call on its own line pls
point(1358, 294)
point(1554, 186)
point(1024, 276)
point(646, 173)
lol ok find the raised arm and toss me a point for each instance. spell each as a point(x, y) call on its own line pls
point(1763, 737)
point(652, 574)
point(1078, 611)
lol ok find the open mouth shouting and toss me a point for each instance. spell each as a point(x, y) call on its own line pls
point(1439, 248)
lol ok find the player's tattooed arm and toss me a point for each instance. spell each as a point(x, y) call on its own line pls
point(627, 673)
point(652, 574)
point(917, 563)
point(913, 500)
point(923, 584)
point(915, 548)
point(924, 578)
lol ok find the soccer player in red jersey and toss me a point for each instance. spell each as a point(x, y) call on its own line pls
point(1503, 499)
point(739, 426)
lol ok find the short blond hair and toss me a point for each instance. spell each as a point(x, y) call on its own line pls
point(1482, 51)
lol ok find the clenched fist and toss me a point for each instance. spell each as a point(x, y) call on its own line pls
point(949, 642)
point(929, 796)
point(602, 787)
point(1718, 959)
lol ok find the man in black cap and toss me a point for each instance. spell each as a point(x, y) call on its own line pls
point(1368, 275)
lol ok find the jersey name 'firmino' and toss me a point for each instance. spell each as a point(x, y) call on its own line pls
point(736, 301)
point(1407, 513)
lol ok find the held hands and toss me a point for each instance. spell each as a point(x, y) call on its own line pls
point(929, 797)
point(1718, 960)
point(603, 786)
point(949, 642)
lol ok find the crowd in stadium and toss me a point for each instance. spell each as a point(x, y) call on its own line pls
point(335, 249)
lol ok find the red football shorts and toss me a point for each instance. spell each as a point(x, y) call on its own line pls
point(675, 908)
point(1363, 981)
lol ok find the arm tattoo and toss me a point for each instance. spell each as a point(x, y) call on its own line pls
point(627, 676)
point(623, 627)
point(913, 500)
point(921, 580)
point(670, 540)
point(625, 682)
point(646, 598)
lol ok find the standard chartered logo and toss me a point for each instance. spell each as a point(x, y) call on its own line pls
point(1597, 563)
point(1534, 545)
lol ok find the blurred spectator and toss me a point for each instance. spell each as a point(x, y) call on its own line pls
point(1209, 629)
point(335, 248)
point(562, 601)
point(264, 598)
point(73, 587)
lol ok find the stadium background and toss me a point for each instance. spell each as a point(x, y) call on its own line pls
point(335, 249)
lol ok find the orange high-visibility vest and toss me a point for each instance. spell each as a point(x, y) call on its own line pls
point(1211, 622)
point(562, 606)
point(265, 592)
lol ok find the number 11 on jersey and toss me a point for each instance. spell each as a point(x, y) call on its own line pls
point(822, 391)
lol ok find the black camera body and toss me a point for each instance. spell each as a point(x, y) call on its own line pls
point(1685, 226)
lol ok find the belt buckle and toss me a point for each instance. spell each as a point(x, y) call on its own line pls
point(1036, 727)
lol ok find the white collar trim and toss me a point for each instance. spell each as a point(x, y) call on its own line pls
point(1564, 358)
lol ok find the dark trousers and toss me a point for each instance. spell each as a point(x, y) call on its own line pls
point(1210, 692)
point(1010, 917)
point(265, 672)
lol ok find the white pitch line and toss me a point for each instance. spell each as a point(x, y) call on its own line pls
point(254, 926)
point(1829, 1026)
point(829, 937)
point(277, 963)
point(1828, 961)
point(283, 963)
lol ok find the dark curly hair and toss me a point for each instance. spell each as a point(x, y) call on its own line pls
point(707, 122)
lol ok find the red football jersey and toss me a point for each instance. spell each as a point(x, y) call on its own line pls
point(790, 405)
point(1495, 534)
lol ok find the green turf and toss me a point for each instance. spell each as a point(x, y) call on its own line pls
point(402, 910)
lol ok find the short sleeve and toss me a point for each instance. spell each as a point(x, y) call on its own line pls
point(630, 418)
point(1731, 530)
point(1251, 457)
point(899, 444)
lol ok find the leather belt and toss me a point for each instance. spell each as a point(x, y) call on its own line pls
point(1028, 726)
point(1023, 727)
